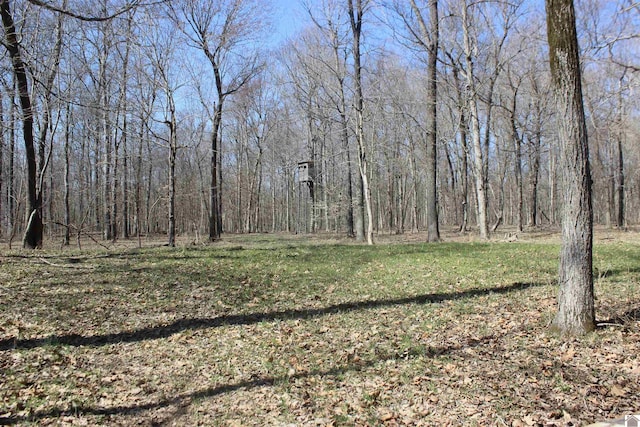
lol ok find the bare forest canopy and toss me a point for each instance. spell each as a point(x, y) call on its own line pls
point(192, 117)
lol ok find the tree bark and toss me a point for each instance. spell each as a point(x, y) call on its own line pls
point(576, 314)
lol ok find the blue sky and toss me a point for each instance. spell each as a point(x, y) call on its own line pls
point(289, 18)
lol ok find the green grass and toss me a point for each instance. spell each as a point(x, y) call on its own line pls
point(259, 330)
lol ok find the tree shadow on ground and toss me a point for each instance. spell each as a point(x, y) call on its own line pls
point(165, 331)
point(183, 400)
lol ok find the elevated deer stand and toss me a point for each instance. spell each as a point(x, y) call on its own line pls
point(306, 175)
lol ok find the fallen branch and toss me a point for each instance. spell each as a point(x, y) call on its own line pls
point(71, 265)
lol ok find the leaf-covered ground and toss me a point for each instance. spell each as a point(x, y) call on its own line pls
point(280, 331)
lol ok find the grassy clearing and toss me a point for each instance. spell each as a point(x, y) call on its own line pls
point(261, 330)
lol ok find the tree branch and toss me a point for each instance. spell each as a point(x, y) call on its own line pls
point(125, 9)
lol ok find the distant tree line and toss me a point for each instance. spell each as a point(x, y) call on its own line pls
point(178, 117)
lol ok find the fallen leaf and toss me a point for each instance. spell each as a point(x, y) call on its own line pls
point(568, 355)
point(386, 416)
point(617, 391)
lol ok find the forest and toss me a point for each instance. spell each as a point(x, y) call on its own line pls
point(136, 132)
point(193, 118)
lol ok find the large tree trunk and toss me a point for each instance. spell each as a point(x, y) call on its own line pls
point(576, 314)
point(34, 232)
point(472, 103)
point(433, 230)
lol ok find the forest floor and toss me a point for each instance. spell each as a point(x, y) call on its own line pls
point(314, 331)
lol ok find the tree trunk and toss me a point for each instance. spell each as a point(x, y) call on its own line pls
point(620, 165)
point(126, 226)
point(414, 187)
point(274, 211)
point(344, 130)
point(576, 314)
point(620, 186)
point(553, 188)
point(350, 217)
point(433, 230)
point(34, 231)
point(517, 142)
point(2, 149)
point(173, 149)
point(123, 107)
point(147, 192)
point(67, 170)
point(105, 142)
point(355, 15)
point(464, 155)
point(138, 189)
point(257, 227)
point(534, 172)
point(478, 160)
point(214, 199)
point(345, 142)
point(11, 214)
point(323, 184)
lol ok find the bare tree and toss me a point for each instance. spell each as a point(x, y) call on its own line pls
point(356, 13)
point(472, 106)
point(425, 35)
point(33, 235)
point(330, 23)
point(576, 314)
point(221, 30)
